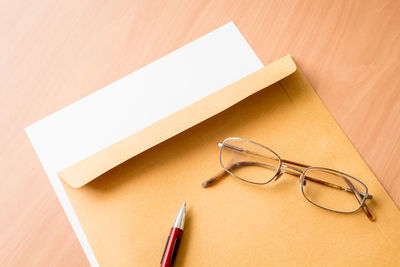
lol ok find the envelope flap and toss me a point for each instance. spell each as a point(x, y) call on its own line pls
point(102, 161)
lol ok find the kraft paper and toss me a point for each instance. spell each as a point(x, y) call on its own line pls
point(127, 211)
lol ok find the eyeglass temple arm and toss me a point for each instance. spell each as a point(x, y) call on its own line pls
point(231, 167)
point(250, 163)
point(352, 189)
point(214, 178)
point(290, 167)
point(357, 195)
point(326, 183)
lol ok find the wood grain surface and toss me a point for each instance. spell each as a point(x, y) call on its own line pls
point(53, 53)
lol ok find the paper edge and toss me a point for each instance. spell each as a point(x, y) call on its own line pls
point(69, 211)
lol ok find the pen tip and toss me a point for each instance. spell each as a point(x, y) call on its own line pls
point(180, 219)
point(184, 206)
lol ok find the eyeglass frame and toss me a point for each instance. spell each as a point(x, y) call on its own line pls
point(302, 177)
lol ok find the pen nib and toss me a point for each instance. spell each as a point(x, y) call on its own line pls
point(180, 219)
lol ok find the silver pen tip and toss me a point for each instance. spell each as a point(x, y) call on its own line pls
point(180, 219)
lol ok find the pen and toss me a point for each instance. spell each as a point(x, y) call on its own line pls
point(174, 239)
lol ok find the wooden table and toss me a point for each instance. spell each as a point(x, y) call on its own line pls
point(53, 53)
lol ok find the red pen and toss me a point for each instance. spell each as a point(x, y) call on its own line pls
point(174, 239)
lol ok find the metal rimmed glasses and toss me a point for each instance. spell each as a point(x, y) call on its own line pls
point(257, 164)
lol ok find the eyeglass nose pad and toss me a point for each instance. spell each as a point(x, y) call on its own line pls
point(278, 176)
point(304, 181)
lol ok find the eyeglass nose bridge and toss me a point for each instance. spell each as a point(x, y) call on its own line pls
point(300, 172)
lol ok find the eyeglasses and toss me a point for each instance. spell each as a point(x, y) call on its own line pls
point(328, 189)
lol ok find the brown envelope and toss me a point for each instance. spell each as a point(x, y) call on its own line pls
point(141, 182)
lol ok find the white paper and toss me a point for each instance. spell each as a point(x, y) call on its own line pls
point(136, 101)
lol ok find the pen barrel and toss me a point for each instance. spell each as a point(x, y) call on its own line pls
point(171, 247)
